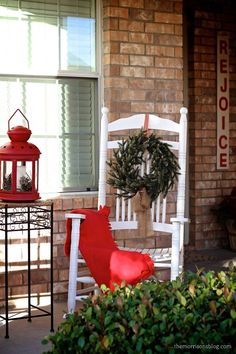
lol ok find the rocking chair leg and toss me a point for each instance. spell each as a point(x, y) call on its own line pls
point(175, 251)
point(73, 266)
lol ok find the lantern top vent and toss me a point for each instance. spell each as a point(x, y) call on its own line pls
point(19, 148)
point(19, 133)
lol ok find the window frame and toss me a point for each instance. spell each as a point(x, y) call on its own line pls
point(62, 74)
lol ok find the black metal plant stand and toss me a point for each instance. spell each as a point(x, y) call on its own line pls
point(26, 217)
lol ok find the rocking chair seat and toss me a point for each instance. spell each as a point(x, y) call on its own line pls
point(108, 264)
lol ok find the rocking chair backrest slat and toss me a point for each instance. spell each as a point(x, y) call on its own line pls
point(123, 207)
point(137, 121)
point(117, 209)
point(114, 144)
point(129, 212)
point(125, 218)
point(163, 211)
point(158, 201)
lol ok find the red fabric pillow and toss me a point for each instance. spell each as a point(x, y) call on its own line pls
point(108, 265)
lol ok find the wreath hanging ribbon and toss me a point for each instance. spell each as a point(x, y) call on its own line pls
point(143, 161)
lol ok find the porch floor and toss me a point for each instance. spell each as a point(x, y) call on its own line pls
point(26, 337)
point(211, 259)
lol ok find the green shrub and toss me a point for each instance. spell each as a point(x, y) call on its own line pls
point(196, 312)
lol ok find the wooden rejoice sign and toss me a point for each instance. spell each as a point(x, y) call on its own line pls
point(222, 102)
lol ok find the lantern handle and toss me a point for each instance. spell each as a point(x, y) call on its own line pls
point(14, 114)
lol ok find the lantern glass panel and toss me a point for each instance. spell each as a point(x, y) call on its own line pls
point(6, 170)
point(24, 176)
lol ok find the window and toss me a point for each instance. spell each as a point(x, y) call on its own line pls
point(48, 69)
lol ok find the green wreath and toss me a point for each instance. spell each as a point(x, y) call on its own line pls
point(125, 166)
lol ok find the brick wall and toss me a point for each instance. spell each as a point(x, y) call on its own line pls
point(143, 57)
point(207, 184)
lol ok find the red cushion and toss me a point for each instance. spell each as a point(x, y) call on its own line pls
point(108, 265)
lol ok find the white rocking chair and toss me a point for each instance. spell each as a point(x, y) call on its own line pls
point(168, 214)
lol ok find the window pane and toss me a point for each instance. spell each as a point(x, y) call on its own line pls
point(61, 115)
point(31, 43)
point(77, 44)
point(77, 137)
point(44, 37)
point(77, 35)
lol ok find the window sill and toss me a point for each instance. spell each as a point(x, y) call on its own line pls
point(69, 195)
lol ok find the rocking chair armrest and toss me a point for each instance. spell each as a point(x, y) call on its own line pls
point(74, 216)
point(180, 219)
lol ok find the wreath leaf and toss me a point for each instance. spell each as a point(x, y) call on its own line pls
point(129, 159)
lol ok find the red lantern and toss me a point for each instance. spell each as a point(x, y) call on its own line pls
point(19, 165)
